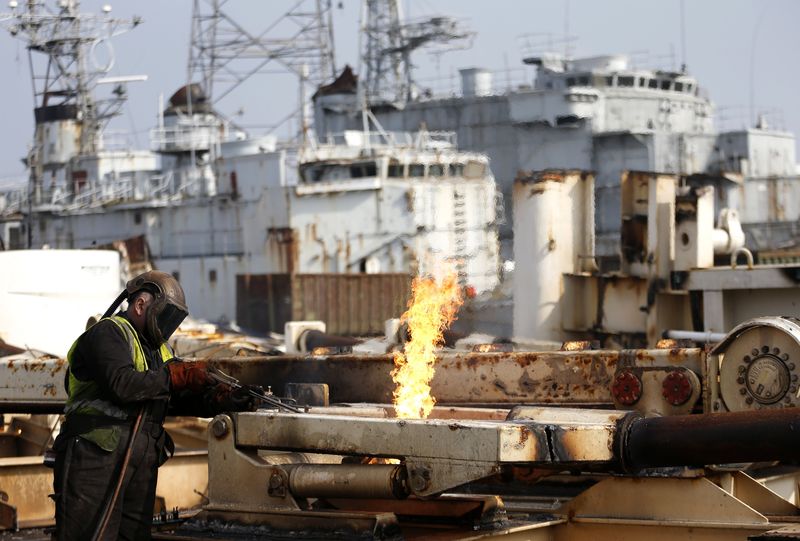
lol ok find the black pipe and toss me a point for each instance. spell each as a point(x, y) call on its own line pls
point(716, 438)
point(317, 339)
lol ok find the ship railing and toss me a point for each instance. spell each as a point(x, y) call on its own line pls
point(116, 140)
point(422, 139)
point(12, 201)
point(186, 137)
point(503, 82)
point(119, 190)
point(436, 139)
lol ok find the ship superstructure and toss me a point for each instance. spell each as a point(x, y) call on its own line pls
point(213, 202)
point(606, 115)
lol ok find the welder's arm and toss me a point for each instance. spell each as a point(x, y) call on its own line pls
point(108, 362)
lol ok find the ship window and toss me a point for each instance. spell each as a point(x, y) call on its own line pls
point(652, 83)
point(435, 170)
point(688, 87)
point(137, 218)
point(474, 170)
point(678, 87)
point(416, 170)
point(626, 80)
point(665, 83)
point(14, 238)
point(312, 173)
point(610, 80)
point(212, 276)
point(364, 169)
point(641, 81)
point(570, 81)
point(395, 170)
point(456, 169)
point(583, 80)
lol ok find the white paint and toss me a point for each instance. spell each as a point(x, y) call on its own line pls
point(552, 237)
point(46, 296)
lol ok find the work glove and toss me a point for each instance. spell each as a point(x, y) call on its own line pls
point(226, 398)
point(189, 376)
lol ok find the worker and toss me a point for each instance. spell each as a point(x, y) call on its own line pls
point(122, 374)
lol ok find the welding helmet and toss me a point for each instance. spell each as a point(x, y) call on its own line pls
point(168, 309)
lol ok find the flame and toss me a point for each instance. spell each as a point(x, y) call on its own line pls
point(432, 308)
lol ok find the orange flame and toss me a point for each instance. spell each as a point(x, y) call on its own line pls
point(432, 308)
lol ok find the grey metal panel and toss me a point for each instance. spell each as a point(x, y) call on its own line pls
point(474, 441)
point(765, 277)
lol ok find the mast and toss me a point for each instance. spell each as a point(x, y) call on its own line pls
point(65, 47)
point(224, 52)
point(389, 42)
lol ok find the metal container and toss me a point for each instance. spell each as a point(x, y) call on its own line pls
point(354, 304)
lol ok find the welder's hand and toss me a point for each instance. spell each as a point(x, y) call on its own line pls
point(189, 375)
point(226, 398)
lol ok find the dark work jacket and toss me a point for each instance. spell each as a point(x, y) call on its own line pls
point(102, 354)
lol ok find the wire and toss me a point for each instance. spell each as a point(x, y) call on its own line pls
point(222, 377)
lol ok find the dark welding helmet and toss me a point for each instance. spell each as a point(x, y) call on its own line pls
point(168, 309)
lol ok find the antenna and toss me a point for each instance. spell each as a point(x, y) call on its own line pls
point(65, 68)
point(752, 100)
point(69, 67)
point(389, 42)
point(683, 37)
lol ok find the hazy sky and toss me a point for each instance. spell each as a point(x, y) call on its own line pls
point(740, 51)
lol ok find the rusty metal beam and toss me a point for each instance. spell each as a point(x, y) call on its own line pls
point(476, 441)
point(30, 384)
point(568, 378)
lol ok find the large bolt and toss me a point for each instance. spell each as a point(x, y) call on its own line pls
point(626, 388)
point(676, 388)
point(419, 479)
point(219, 428)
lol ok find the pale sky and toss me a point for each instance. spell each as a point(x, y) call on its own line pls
point(739, 50)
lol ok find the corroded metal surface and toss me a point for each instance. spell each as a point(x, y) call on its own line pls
point(478, 441)
point(182, 481)
point(31, 383)
point(567, 378)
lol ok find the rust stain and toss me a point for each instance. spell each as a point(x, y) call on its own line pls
point(524, 434)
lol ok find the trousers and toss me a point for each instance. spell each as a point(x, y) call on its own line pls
point(85, 477)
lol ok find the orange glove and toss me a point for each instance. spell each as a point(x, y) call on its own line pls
point(190, 376)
